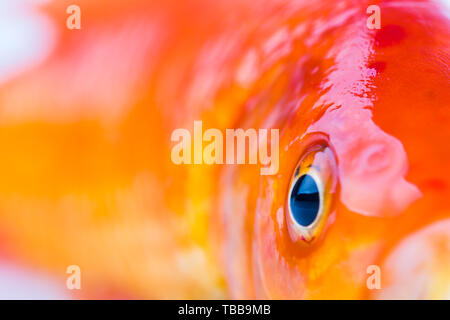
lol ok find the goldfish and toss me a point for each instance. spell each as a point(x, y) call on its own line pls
point(358, 207)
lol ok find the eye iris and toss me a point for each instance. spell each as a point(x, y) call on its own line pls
point(305, 200)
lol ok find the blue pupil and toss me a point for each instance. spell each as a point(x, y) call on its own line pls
point(305, 200)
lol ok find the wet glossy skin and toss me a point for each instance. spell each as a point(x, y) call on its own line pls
point(377, 96)
point(87, 176)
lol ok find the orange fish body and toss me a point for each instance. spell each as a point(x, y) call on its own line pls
point(379, 99)
point(88, 178)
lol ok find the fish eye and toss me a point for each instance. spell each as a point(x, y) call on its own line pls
point(305, 201)
point(311, 193)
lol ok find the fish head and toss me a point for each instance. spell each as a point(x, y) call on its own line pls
point(359, 206)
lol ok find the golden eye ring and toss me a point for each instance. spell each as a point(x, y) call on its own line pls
point(311, 193)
